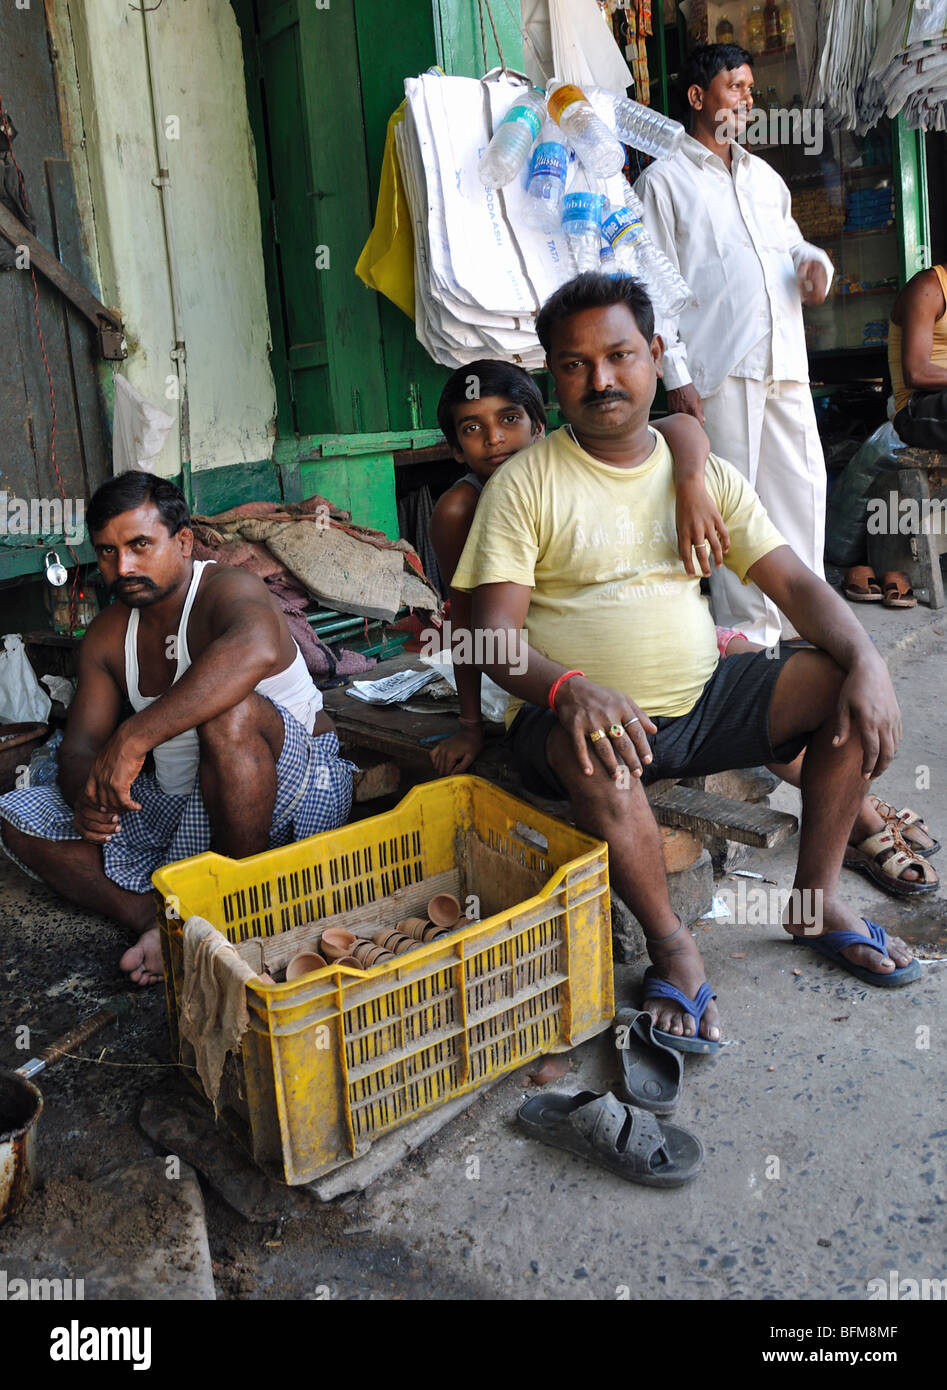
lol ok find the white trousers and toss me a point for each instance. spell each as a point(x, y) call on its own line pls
point(767, 430)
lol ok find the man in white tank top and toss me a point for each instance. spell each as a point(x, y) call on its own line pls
point(245, 757)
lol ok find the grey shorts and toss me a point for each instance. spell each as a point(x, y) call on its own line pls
point(728, 727)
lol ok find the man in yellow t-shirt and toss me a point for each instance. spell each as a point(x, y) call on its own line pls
point(572, 560)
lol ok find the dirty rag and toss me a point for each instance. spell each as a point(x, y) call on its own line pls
point(214, 1011)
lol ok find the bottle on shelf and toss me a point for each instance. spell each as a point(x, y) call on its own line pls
point(756, 30)
point(582, 224)
point(506, 153)
point(774, 34)
point(787, 25)
point(591, 138)
point(547, 180)
point(724, 31)
point(772, 99)
point(641, 126)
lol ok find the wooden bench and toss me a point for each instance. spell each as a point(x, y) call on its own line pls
point(397, 734)
point(920, 480)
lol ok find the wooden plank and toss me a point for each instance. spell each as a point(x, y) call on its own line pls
point(413, 380)
point(460, 51)
point(308, 355)
point(278, 18)
point(83, 348)
point(340, 213)
point(709, 815)
point(244, 10)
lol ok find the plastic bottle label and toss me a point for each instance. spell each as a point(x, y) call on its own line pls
point(562, 97)
point(549, 161)
point(526, 114)
point(621, 223)
point(583, 207)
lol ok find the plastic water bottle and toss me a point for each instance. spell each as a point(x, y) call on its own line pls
point(668, 289)
point(608, 261)
point(582, 224)
point(619, 237)
point(640, 126)
point(594, 143)
point(512, 140)
point(547, 181)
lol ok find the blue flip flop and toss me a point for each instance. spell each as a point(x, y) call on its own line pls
point(832, 945)
point(657, 988)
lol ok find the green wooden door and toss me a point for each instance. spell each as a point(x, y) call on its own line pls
point(305, 109)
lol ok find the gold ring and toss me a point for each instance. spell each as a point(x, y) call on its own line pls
point(616, 731)
point(596, 734)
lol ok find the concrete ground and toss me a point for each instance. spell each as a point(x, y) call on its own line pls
point(823, 1123)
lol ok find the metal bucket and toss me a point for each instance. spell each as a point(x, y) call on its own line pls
point(20, 1107)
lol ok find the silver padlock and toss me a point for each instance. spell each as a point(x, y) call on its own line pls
point(56, 571)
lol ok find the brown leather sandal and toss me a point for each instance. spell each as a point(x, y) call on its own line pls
point(885, 858)
point(897, 590)
point(913, 829)
point(861, 585)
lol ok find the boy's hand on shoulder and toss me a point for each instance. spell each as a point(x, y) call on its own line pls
point(700, 528)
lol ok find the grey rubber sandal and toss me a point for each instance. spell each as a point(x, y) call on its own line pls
point(652, 1072)
point(627, 1141)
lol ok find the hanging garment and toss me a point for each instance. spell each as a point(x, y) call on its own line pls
point(387, 260)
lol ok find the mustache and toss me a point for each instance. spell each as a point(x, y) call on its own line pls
point(117, 585)
point(591, 397)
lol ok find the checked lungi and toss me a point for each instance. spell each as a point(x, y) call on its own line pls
point(313, 793)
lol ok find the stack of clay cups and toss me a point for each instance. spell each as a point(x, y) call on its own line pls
point(370, 953)
point(391, 939)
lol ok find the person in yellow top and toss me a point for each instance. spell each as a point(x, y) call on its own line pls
point(917, 359)
point(588, 618)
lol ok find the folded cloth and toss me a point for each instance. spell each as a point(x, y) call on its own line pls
point(214, 1014)
point(313, 793)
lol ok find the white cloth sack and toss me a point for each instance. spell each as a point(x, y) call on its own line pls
point(584, 48)
point(481, 274)
point(22, 699)
point(139, 429)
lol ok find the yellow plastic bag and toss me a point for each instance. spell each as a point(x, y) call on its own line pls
point(387, 260)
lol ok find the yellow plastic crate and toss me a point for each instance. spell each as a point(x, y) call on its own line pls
point(332, 1061)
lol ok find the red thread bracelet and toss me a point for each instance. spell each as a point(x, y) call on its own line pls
point(556, 684)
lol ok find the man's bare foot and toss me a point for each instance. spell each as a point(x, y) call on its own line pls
point(835, 916)
point(679, 963)
point(143, 960)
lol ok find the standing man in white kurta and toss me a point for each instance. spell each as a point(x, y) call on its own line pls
point(737, 359)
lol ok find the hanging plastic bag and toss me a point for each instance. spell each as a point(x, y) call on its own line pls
point(387, 260)
point(139, 429)
point(584, 48)
point(22, 699)
point(846, 520)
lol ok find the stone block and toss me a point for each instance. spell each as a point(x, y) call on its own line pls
point(691, 892)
